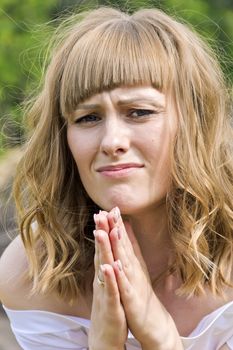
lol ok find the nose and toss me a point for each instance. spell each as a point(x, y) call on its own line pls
point(115, 139)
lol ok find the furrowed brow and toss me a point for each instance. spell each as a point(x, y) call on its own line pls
point(122, 103)
point(153, 102)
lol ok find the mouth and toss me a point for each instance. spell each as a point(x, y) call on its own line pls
point(119, 170)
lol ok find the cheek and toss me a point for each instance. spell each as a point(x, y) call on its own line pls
point(158, 150)
point(75, 146)
point(156, 146)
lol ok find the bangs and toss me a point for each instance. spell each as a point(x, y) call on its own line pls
point(119, 52)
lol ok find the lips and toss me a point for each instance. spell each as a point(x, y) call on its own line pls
point(118, 167)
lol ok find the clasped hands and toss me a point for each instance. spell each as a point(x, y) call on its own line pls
point(126, 300)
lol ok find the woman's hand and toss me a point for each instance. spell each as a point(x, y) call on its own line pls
point(108, 323)
point(147, 319)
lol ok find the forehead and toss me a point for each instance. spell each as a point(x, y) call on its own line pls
point(125, 95)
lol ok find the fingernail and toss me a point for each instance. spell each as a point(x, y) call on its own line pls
point(119, 264)
point(119, 233)
point(97, 237)
point(116, 214)
point(96, 219)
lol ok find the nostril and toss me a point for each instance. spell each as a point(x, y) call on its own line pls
point(113, 151)
point(114, 145)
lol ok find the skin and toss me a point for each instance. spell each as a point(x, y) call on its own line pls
point(105, 130)
point(137, 132)
point(113, 136)
point(134, 132)
point(127, 290)
point(127, 300)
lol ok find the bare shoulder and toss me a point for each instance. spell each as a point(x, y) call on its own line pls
point(13, 268)
point(15, 288)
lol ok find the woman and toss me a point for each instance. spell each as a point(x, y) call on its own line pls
point(132, 126)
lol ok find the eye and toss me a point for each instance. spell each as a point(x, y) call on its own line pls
point(137, 113)
point(87, 119)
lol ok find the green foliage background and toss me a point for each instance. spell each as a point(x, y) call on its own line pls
point(22, 37)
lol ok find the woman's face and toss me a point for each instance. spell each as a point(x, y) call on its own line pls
point(120, 140)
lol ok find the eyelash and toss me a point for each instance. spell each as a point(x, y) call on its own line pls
point(148, 111)
point(85, 118)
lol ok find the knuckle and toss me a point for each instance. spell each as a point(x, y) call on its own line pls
point(126, 265)
point(128, 294)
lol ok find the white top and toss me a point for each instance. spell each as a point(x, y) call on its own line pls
point(43, 330)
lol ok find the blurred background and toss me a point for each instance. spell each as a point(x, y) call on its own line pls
point(23, 44)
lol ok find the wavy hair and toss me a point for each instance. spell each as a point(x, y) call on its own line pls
point(99, 50)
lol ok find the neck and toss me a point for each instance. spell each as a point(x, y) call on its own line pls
point(151, 231)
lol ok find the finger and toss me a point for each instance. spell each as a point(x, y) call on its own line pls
point(111, 291)
point(101, 221)
point(98, 273)
point(129, 240)
point(115, 221)
point(104, 248)
point(104, 212)
point(113, 218)
point(124, 286)
point(119, 250)
point(127, 250)
point(96, 256)
point(120, 243)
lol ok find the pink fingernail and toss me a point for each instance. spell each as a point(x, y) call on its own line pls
point(97, 236)
point(119, 233)
point(116, 214)
point(96, 219)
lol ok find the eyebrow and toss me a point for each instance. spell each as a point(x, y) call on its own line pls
point(123, 102)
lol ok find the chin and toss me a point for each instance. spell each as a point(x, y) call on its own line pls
point(134, 208)
point(125, 209)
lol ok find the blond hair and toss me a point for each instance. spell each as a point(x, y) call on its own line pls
point(102, 49)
